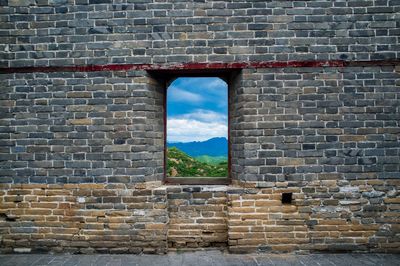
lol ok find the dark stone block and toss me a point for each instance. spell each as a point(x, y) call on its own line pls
point(191, 189)
point(91, 2)
point(308, 146)
point(367, 160)
point(182, 195)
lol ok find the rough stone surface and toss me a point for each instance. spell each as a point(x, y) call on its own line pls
point(198, 218)
point(84, 218)
point(150, 218)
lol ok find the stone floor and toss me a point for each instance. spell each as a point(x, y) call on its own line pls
point(202, 258)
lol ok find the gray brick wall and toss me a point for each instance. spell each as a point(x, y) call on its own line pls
point(81, 127)
point(287, 124)
point(303, 124)
point(291, 124)
point(59, 33)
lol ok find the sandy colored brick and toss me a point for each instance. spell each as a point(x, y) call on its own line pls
point(79, 94)
point(83, 121)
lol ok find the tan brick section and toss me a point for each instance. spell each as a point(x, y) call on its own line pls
point(84, 218)
point(331, 215)
point(198, 217)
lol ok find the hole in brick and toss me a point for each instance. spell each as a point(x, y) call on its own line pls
point(119, 141)
point(7, 218)
point(287, 198)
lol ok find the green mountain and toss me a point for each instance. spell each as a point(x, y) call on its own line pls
point(212, 147)
point(179, 164)
point(214, 160)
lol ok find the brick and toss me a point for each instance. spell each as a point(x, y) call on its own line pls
point(117, 148)
point(85, 121)
point(18, 3)
point(79, 94)
point(290, 161)
point(156, 226)
point(86, 108)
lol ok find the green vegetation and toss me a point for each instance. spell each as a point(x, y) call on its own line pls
point(213, 160)
point(179, 164)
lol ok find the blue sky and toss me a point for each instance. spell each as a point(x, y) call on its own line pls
point(197, 109)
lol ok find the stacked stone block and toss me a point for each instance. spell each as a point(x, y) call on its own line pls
point(82, 128)
point(305, 124)
point(198, 217)
point(325, 215)
point(81, 32)
point(83, 218)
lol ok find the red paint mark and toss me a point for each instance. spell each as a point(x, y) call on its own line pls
point(197, 66)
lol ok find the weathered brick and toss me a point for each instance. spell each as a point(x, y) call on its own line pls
point(117, 148)
point(79, 94)
point(84, 121)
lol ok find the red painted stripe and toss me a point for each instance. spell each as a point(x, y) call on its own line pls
point(196, 66)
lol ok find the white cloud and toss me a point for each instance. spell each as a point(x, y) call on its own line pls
point(185, 130)
point(205, 116)
point(179, 95)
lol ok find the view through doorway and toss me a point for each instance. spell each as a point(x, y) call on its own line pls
point(197, 128)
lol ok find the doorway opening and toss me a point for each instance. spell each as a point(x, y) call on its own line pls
point(198, 108)
point(197, 129)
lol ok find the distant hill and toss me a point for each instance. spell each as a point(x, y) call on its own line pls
point(212, 147)
point(180, 164)
point(214, 160)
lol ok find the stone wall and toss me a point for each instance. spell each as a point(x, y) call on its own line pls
point(83, 218)
point(198, 217)
point(306, 124)
point(81, 128)
point(90, 32)
point(314, 111)
point(326, 215)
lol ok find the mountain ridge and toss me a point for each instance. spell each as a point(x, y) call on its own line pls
point(217, 146)
point(179, 164)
